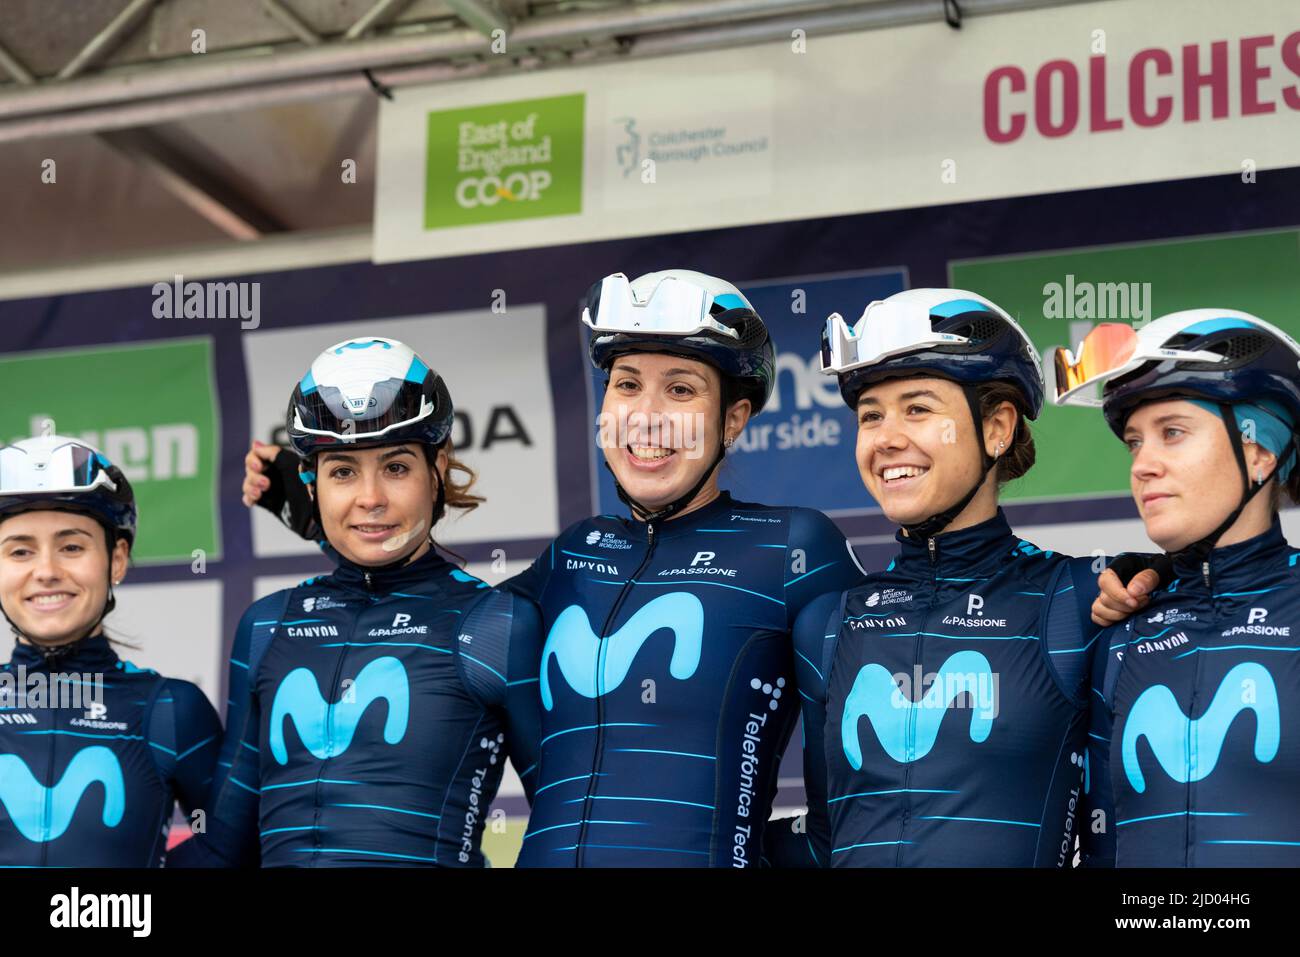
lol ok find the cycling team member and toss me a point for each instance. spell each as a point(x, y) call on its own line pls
point(1195, 737)
point(372, 709)
point(946, 699)
point(666, 677)
point(94, 752)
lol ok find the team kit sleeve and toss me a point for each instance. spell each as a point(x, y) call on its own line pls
point(195, 732)
point(1097, 832)
point(819, 560)
point(805, 841)
point(229, 837)
point(820, 565)
point(531, 582)
point(1069, 633)
point(499, 649)
point(523, 703)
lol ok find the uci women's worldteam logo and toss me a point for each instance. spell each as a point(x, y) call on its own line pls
point(1188, 748)
point(27, 800)
point(577, 648)
point(326, 729)
point(907, 729)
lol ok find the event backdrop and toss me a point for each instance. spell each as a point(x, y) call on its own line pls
point(817, 176)
point(176, 401)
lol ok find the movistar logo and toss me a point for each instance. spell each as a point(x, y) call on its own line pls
point(580, 652)
point(907, 729)
point(326, 729)
point(1188, 748)
point(26, 799)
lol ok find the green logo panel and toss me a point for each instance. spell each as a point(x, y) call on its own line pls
point(151, 409)
point(518, 160)
point(1058, 296)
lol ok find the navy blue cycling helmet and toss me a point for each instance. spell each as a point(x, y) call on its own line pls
point(367, 392)
point(364, 393)
point(65, 474)
point(947, 333)
point(52, 472)
point(683, 312)
point(1221, 356)
point(686, 313)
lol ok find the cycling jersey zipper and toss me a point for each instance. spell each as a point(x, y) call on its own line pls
point(932, 548)
point(600, 694)
point(49, 776)
point(1192, 756)
point(329, 722)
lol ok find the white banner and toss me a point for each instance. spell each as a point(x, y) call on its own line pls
point(1063, 98)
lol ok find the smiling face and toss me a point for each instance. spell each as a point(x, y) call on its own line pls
point(1185, 478)
point(660, 423)
point(916, 449)
point(376, 504)
point(54, 574)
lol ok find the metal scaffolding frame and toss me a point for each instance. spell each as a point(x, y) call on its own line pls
point(116, 103)
point(640, 28)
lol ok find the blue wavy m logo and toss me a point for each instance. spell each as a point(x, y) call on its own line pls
point(907, 729)
point(26, 799)
point(326, 729)
point(593, 667)
point(1189, 748)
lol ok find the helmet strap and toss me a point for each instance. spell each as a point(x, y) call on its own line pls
point(929, 527)
point(647, 514)
point(1200, 550)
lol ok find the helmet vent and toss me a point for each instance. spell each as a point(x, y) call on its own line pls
point(752, 332)
point(982, 329)
point(1240, 349)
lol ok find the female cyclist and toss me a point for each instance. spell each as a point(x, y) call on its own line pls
point(371, 709)
point(94, 752)
point(946, 699)
point(666, 679)
point(1195, 737)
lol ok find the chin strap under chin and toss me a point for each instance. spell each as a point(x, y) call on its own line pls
point(1200, 550)
point(672, 508)
point(932, 526)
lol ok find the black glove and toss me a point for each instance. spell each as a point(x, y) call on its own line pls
point(287, 498)
point(1126, 566)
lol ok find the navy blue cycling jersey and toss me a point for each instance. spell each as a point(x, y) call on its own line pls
point(1195, 738)
point(371, 712)
point(945, 707)
point(666, 681)
point(90, 779)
